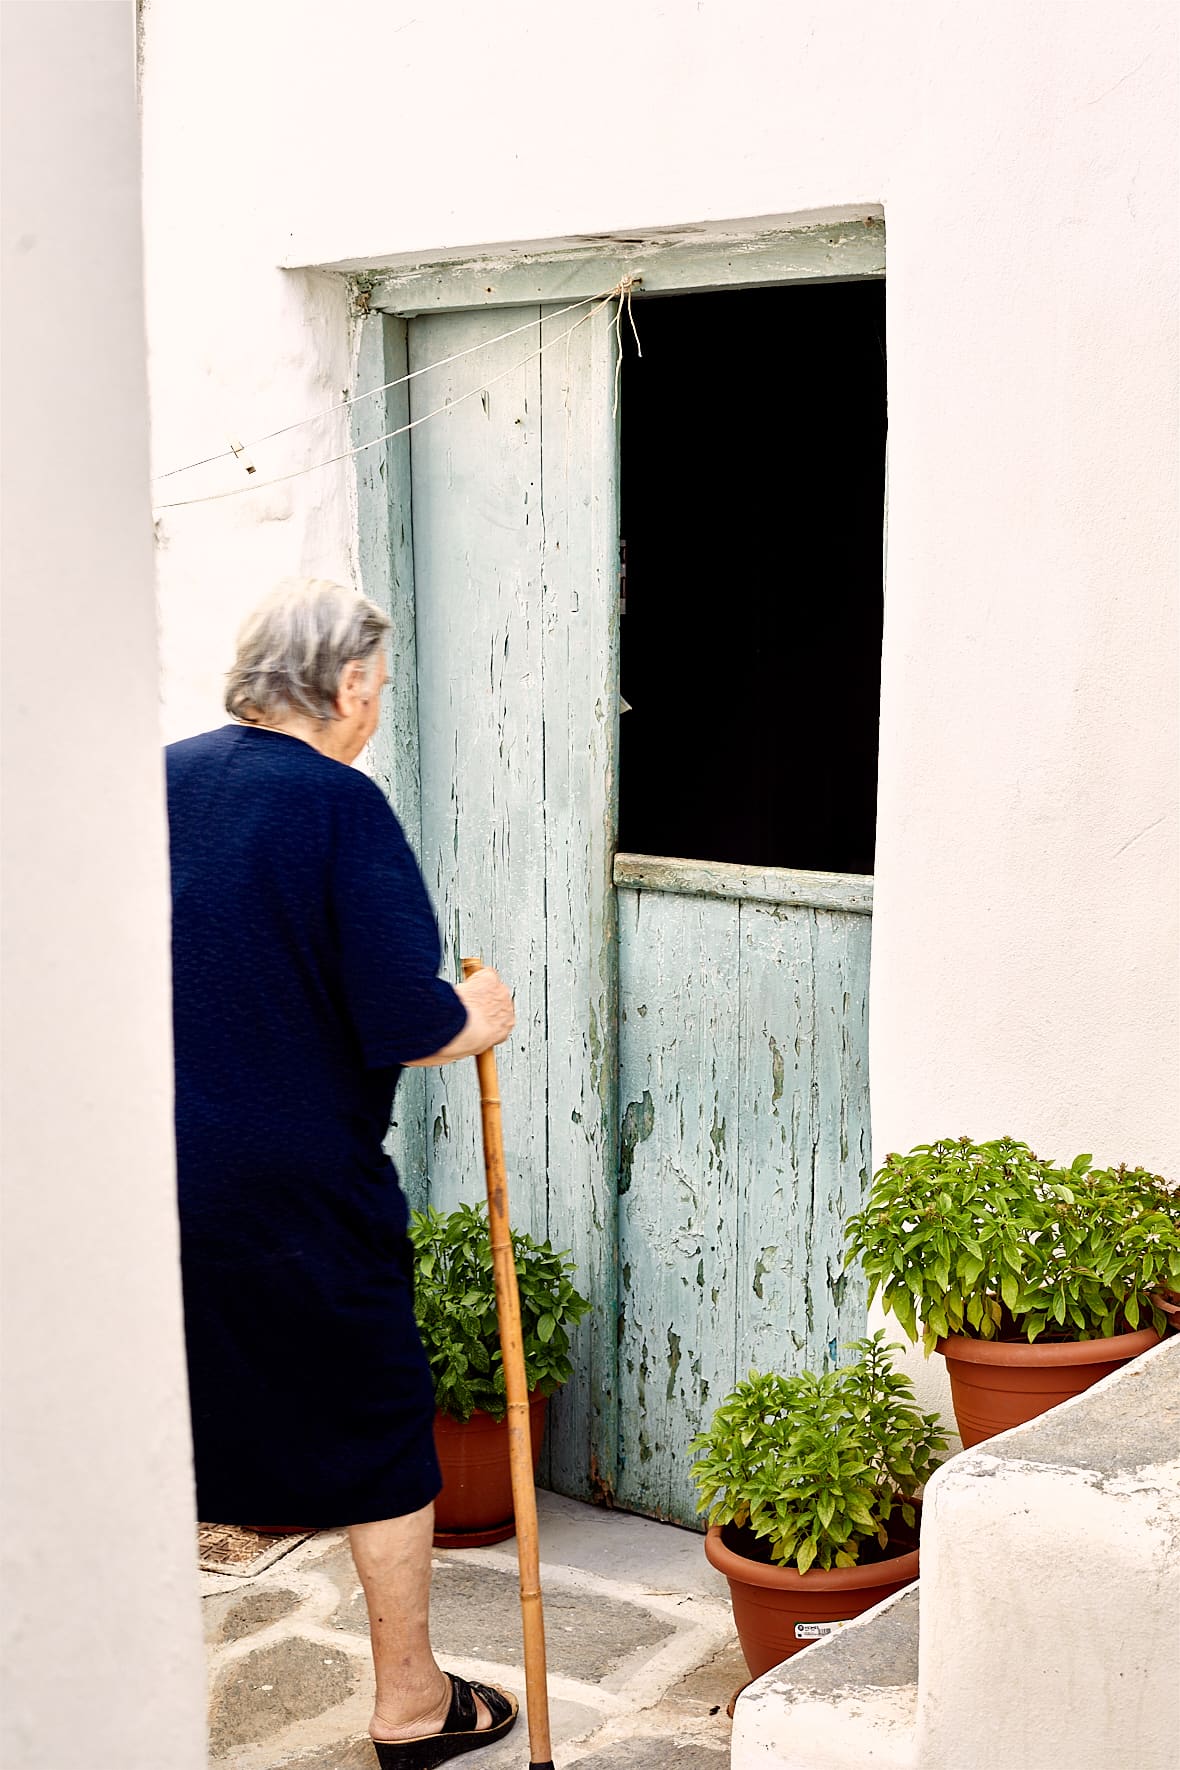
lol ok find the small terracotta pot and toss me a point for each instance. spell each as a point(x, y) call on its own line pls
point(779, 1611)
point(475, 1505)
point(996, 1384)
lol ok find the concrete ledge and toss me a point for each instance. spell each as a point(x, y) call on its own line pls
point(1050, 1568)
point(1047, 1608)
point(849, 1700)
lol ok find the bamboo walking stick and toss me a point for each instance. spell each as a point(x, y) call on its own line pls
point(520, 1451)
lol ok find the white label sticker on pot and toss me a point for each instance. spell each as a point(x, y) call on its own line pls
point(817, 1631)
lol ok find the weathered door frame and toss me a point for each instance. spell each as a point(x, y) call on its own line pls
point(838, 246)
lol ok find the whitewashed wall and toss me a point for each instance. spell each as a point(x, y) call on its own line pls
point(1017, 1649)
point(100, 1625)
point(1025, 929)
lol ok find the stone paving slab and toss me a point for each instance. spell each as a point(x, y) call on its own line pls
point(618, 1545)
point(476, 1610)
point(658, 1753)
point(642, 1653)
point(567, 1722)
point(265, 1691)
point(356, 1754)
point(713, 1685)
point(243, 1612)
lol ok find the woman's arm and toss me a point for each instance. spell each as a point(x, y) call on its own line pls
point(491, 1016)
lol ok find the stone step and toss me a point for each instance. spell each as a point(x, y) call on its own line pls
point(847, 1703)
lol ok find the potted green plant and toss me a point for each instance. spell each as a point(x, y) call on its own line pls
point(1031, 1279)
point(812, 1486)
point(455, 1304)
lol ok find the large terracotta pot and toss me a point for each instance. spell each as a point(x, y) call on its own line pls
point(475, 1505)
point(779, 1611)
point(996, 1384)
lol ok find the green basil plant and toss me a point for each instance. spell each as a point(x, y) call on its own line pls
point(455, 1304)
point(818, 1467)
point(989, 1241)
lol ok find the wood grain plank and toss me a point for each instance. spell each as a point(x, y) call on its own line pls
point(775, 1168)
point(775, 1020)
point(478, 547)
point(580, 674)
point(385, 558)
point(804, 1151)
point(668, 261)
point(740, 1137)
point(841, 946)
point(852, 892)
point(678, 1050)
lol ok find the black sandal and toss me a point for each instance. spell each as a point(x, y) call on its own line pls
point(459, 1733)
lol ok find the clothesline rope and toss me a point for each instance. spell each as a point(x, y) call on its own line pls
point(388, 436)
point(623, 291)
point(236, 449)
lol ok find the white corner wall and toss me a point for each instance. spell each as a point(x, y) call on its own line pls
point(1043, 1630)
point(1048, 1618)
point(1025, 938)
point(101, 1631)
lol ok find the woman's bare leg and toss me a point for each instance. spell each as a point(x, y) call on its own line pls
point(392, 1558)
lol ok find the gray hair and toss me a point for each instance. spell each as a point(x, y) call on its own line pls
point(293, 649)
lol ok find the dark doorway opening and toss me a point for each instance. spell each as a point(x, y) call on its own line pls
point(753, 480)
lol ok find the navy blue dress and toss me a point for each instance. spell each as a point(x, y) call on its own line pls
point(305, 959)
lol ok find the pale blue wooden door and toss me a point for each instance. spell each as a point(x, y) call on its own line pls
point(685, 1097)
point(515, 528)
point(743, 1059)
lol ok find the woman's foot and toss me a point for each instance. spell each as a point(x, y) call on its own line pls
point(426, 1721)
point(464, 1728)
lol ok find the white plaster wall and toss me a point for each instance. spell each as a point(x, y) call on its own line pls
point(1025, 975)
point(1092, 1677)
point(102, 1655)
point(1044, 1631)
point(1105, 1647)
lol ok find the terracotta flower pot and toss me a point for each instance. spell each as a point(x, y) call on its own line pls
point(475, 1505)
point(779, 1611)
point(996, 1384)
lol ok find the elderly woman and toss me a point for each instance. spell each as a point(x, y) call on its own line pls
point(305, 961)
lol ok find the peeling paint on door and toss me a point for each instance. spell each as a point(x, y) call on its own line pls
point(515, 533)
point(638, 1124)
point(744, 1148)
point(706, 1216)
